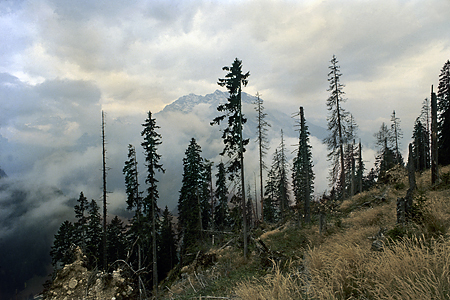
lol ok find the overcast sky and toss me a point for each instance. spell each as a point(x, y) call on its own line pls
point(62, 62)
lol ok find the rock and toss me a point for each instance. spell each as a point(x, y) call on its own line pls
point(73, 283)
point(377, 245)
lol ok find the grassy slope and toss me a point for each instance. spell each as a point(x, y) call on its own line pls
point(340, 264)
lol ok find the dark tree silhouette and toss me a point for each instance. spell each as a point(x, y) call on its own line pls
point(152, 140)
point(232, 135)
point(337, 120)
point(302, 171)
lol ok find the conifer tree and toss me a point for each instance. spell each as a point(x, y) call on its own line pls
point(262, 140)
point(82, 220)
point(385, 159)
point(94, 250)
point(232, 135)
point(443, 96)
point(395, 136)
point(270, 196)
point(117, 242)
point(221, 214)
point(152, 140)
point(420, 146)
point(283, 183)
point(134, 200)
point(190, 200)
point(168, 246)
point(302, 171)
point(349, 156)
point(64, 239)
point(337, 120)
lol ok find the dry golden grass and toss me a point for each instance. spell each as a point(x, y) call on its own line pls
point(273, 286)
point(340, 265)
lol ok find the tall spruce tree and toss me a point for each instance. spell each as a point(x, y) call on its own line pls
point(191, 194)
point(60, 250)
point(168, 246)
point(263, 141)
point(152, 140)
point(270, 196)
point(232, 135)
point(396, 135)
point(302, 171)
point(337, 120)
point(117, 241)
point(82, 220)
point(134, 200)
point(385, 159)
point(283, 183)
point(94, 245)
point(420, 146)
point(443, 96)
point(350, 153)
point(221, 215)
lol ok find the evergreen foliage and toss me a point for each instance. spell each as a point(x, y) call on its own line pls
point(270, 197)
point(395, 136)
point(281, 167)
point(221, 213)
point(60, 250)
point(421, 146)
point(167, 257)
point(82, 220)
point(443, 96)
point(232, 135)
point(152, 140)
point(192, 197)
point(94, 250)
point(337, 122)
point(385, 159)
point(117, 241)
point(302, 171)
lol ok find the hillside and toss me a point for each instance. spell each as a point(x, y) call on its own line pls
point(362, 254)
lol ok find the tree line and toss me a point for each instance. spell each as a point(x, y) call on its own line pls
point(152, 244)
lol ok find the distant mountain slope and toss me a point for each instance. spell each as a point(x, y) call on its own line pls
point(190, 116)
point(207, 106)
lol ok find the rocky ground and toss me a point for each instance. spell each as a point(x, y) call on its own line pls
point(75, 282)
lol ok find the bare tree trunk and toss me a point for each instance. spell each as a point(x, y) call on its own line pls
point(434, 147)
point(241, 156)
point(105, 261)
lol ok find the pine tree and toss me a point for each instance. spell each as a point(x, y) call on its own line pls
point(117, 242)
point(385, 159)
point(94, 250)
point(302, 171)
point(337, 120)
point(190, 200)
point(82, 220)
point(221, 214)
point(396, 135)
point(152, 140)
point(270, 197)
point(64, 239)
point(349, 156)
point(167, 257)
point(283, 183)
point(262, 140)
point(232, 135)
point(134, 200)
point(443, 96)
point(421, 146)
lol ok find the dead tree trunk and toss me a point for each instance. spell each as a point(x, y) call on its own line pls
point(434, 146)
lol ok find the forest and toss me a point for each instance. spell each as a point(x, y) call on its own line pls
point(216, 203)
